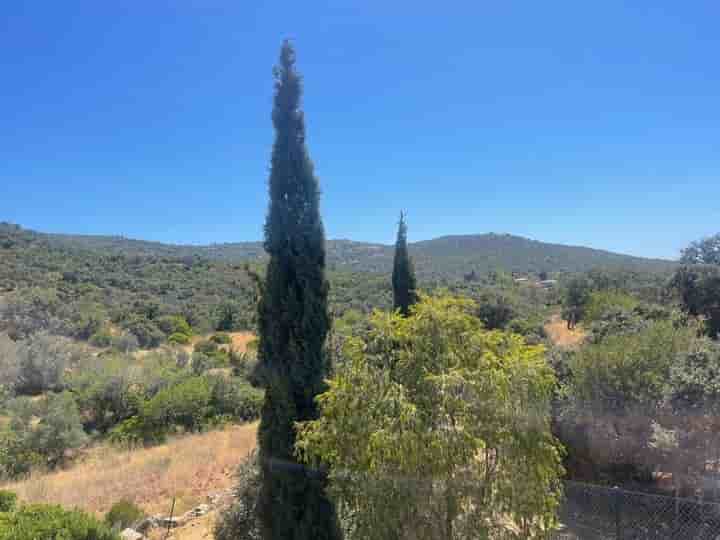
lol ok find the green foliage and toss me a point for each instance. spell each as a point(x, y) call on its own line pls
point(42, 361)
point(577, 295)
point(437, 428)
point(8, 500)
point(173, 324)
point(185, 404)
point(123, 514)
point(179, 339)
point(190, 404)
point(221, 339)
point(107, 392)
point(235, 399)
point(27, 442)
point(101, 338)
point(206, 346)
point(616, 400)
point(403, 274)
point(293, 321)
point(626, 370)
point(699, 289)
point(705, 251)
point(59, 429)
point(145, 330)
point(496, 309)
point(603, 302)
point(48, 522)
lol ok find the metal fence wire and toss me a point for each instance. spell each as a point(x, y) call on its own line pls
point(596, 512)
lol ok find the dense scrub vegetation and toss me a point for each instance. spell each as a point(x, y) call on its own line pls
point(78, 396)
point(435, 424)
point(48, 522)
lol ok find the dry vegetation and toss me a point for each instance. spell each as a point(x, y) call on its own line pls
point(558, 332)
point(188, 468)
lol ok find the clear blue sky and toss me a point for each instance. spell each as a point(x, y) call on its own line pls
point(592, 123)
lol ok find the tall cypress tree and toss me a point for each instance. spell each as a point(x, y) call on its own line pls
point(403, 276)
point(293, 321)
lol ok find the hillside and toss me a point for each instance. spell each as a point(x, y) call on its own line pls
point(447, 257)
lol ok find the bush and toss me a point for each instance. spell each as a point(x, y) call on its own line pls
point(221, 339)
point(8, 499)
point(50, 522)
point(496, 309)
point(235, 398)
point(206, 347)
point(59, 429)
point(42, 361)
point(179, 339)
point(174, 324)
point(107, 392)
point(240, 520)
point(101, 339)
point(145, 330)
point(125, 343)
point(604, 302)
point(123, 514)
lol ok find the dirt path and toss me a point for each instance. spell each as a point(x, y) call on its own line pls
point(558, 332)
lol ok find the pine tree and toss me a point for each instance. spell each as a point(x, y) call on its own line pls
point(293, 321)
point(403, 276)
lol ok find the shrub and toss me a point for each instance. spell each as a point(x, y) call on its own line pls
point(179, 339)
point(50, 522)
point(107, 392)
point(200, 363)
point(604, 302)
point(8, 499)
point(235, 398)
point(240, 520)
point(205, 346)
point(221, 339)
point(42, 361)
point(145, 330)
point(59, 429)
point(101, 339)
point(125, 343)
point(173, 324)
point(123, 514)
point(496, 309)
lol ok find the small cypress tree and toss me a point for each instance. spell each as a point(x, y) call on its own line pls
point(293, 321)
point(403, 276)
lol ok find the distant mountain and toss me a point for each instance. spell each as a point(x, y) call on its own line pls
point(447, 257)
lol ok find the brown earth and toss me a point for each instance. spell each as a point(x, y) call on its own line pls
point(558, 332)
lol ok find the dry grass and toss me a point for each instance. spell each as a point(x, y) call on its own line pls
point(558, 332)
point(240, 340)
point(188, 468)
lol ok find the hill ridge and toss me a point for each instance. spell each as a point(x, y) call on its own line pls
point(447, 256)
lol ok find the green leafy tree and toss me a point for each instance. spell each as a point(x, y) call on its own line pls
point(577, 295)
point(699, 289)
point(59, 429)
point(293, 321)
point(705, 251)
point(403, 275)
point(435, 428)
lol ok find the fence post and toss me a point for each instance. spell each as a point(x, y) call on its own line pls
point(616, 508)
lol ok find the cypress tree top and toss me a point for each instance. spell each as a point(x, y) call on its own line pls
point(403, 276)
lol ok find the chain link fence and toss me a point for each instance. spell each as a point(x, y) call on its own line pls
point(592, 512)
